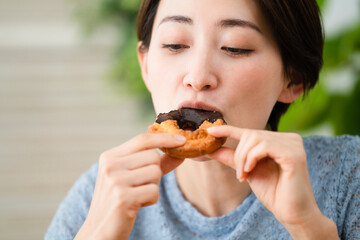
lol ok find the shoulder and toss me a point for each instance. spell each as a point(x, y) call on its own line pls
point(333, 151)
point(340, 144)
point(331, 156)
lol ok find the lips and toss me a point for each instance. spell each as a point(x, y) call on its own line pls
point(198, 105)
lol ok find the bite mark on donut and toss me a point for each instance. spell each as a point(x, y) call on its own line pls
point(198, 142)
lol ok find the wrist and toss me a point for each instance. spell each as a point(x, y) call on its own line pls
point(82, 233)
point(316, 227)
point(88, 231)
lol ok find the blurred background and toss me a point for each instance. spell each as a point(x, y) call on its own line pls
point(70, 88)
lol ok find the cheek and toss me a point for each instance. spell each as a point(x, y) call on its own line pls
point(255, 87)
point(162, 79)
point(258, 80)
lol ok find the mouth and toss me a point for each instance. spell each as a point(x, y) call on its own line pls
point(198, 105)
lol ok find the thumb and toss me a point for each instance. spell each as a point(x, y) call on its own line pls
point(224, 155)
point(167, 163)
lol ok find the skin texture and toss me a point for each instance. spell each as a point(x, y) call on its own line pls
point(127, 180)
point(199, 60)
point(274, 165)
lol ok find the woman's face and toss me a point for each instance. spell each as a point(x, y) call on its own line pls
point(215, 55)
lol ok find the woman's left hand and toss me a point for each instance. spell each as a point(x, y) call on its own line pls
point(274, 164)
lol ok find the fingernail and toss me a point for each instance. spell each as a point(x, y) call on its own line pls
point(212, 128)
point(180, 138)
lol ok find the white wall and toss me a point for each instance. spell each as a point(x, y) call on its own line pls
point(57, 111)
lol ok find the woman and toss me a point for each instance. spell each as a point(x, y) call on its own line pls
point(248, 60)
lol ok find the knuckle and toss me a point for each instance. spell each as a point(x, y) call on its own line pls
point(104, 157)
point(106, 171)
point(105, 165)
point(111, 181)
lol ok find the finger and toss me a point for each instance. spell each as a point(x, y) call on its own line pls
point(145, 195)
point(141, 159)
point(226, 131)
point(141, 176)
point(256, 154)
point(224, 155)
point(167, 163)
point(149, 141)
point(114, 164)
point(248, 141)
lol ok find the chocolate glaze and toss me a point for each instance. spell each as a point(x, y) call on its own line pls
point(190, 117)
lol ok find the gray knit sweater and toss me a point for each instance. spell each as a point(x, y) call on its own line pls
point(334, 169)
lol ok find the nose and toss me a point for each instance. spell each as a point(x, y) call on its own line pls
point(201, 74)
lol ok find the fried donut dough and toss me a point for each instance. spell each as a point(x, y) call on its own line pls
point(192, 124)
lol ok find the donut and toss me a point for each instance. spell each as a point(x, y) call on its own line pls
point(192, 124)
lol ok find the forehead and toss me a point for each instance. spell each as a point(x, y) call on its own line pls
point(211, 11)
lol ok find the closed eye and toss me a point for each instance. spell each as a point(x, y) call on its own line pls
point(237, 51)
point(175, 47)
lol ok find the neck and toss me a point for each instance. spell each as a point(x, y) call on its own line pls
point(211, 187)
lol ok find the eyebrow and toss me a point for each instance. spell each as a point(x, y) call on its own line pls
point(238, 23)
point(178, 19)
point(233, 22)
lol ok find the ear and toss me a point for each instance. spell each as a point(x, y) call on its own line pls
point(290, 92)
point(142, 54)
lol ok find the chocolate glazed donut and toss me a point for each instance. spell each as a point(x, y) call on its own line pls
point(192, 124)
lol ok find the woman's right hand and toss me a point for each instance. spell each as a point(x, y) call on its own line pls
point(127, 180)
